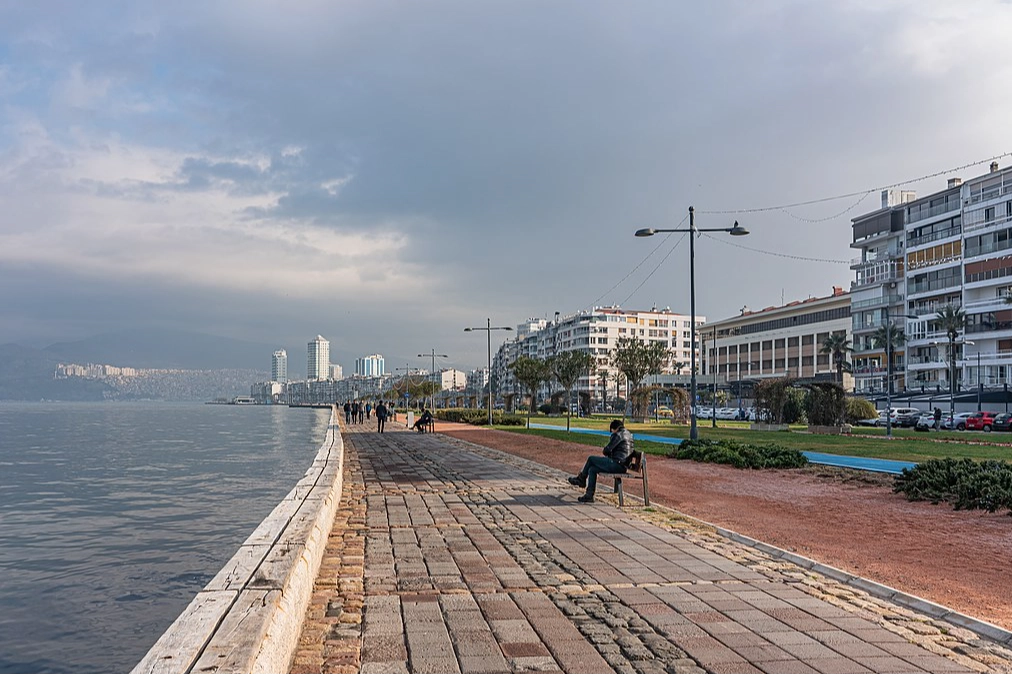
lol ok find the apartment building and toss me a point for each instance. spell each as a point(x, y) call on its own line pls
point(596, 332)
point(776, 342)
point(950, 248)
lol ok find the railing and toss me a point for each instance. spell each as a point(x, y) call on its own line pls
point(934, 262)
point(880, 256)
point(936, 285)
point(990, 193)
point(936, 335)
point(879, 278)
point(934, 236)
point(933, 308)
point(1000, 300)
point(876, 302)
point(989, 327)
point(977, 226)
point(921, 214)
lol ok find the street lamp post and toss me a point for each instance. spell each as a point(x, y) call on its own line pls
point(736, 231)
point(488, 328)
point(971, 342)
point(713, 343)
point(889, 368)
point(432, 374)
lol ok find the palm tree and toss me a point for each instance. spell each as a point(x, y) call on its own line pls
point(889, 337)
point(952, 320)
point(838, 345)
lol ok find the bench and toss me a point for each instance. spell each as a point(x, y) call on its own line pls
point(429, 426)
point(636, 469)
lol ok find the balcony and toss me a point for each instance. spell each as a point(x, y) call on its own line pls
point(913, 242)
point(877, 276)
point(880, 256)
point(993, 327)
point(876, 302)
point(982, 225)
point(949, 283)
point(992, 304)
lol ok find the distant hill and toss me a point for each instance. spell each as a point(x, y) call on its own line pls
point(150, 348)
point(26, 374)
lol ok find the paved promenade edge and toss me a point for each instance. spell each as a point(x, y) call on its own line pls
point(249, 616)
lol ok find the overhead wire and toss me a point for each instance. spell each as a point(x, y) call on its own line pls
point(647, 278)
point(663, 241)
point(861, 193)
point(774, 253)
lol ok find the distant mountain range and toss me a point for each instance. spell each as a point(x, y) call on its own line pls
point(27, 373)
point(149, 348)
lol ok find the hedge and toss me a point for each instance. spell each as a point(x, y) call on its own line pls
point(741, 455)
point(477, 416)
point(963, 482)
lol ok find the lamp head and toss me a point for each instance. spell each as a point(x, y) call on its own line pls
point(468, 330)
point(737, 230)
point(646, 232)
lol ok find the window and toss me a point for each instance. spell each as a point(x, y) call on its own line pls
point(807, 340)
point(780, 343)
point(767, 344)
point(989, 214)
point(792, 342)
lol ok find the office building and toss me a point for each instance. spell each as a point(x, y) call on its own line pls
point(279, 366)
point(318, 361)
point(370, 366)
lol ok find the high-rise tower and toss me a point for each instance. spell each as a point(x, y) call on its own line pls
point(279, 366)
point(318, 363)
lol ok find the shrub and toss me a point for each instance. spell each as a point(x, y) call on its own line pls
point(740, 455)
point(479, 417)
point(826, 404)
point(859, 409)
point(964, 483)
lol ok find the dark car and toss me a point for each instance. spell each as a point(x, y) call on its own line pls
point(907, 419)
point(1003, 422)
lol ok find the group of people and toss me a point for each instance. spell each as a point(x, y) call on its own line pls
point(357, 412)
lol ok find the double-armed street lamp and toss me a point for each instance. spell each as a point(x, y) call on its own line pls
point(735, 231)
point(979, 381)
point(887, 322)
point(489, 328)
point(432, 374)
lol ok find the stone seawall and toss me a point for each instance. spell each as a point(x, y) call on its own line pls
point(248, 618)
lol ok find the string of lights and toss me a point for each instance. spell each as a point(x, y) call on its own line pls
point(774, 253)
point(861, 193)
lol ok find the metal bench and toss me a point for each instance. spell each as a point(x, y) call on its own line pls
point(636, 469)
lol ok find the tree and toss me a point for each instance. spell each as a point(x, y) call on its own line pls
point(826, 404)
point(771, 398)
point(567, 368)
point(603, 376)
point(837, 345)
point(952, 320)
point(637, 360)
point(531, 373)
point(889, 337)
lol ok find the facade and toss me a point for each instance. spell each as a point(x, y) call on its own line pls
point(775, 342)
point(596, 332)
point(336, 372)
point(279, 366)
point(451, 380)
point(951, 248)
point(370, 366)
point(318, 361)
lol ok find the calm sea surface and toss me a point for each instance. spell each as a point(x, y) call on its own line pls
point(114, 515)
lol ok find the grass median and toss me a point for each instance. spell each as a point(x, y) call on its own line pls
point(906, 445)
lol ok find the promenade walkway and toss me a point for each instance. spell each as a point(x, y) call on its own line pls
point(448, 557)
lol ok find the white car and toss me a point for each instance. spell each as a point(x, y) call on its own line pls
point(959, 423)
point(727, 413)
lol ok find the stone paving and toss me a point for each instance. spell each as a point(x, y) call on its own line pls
point(452, 558)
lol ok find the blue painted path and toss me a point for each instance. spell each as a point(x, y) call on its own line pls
point(862, 463)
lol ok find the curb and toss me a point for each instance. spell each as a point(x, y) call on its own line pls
point(249, 616)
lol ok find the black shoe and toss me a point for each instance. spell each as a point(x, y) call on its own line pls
point(577, 481)
point(586, 499)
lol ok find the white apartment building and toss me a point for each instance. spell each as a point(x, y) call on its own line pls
point(336, 372)
point(596, 332)
point(451, 379)
point(950, 248)
point(318, 361)
point(775, 342)
point(370, 366)
point(279, 366)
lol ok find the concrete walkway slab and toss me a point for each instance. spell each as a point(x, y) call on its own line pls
point(448, 557)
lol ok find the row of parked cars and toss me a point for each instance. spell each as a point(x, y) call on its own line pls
point(925, 421)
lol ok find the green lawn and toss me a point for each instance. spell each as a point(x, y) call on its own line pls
point(907, 445)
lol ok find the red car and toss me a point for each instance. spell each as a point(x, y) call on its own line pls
point(981, 421)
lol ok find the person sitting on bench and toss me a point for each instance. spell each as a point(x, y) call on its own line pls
point(423, 422)
point(616, 453)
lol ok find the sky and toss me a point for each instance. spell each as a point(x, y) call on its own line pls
point(388, 173)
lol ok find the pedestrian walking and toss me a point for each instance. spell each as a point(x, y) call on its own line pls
point(381, 416)
point(347, 413)
point(354, 412)
point(368, 409)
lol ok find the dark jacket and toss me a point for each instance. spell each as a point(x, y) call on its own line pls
point(381, 411)
point(620, 446)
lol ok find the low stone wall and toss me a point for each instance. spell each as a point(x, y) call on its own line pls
point(248, 618)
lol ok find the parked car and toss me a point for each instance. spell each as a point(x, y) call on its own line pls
point(981, 421)
point(1003, 422)
point(958, 423)
point(727, 413)
point(906, 417)
point(926, 422)
point(872, 422)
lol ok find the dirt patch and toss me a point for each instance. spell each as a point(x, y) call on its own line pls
point(848, 519)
